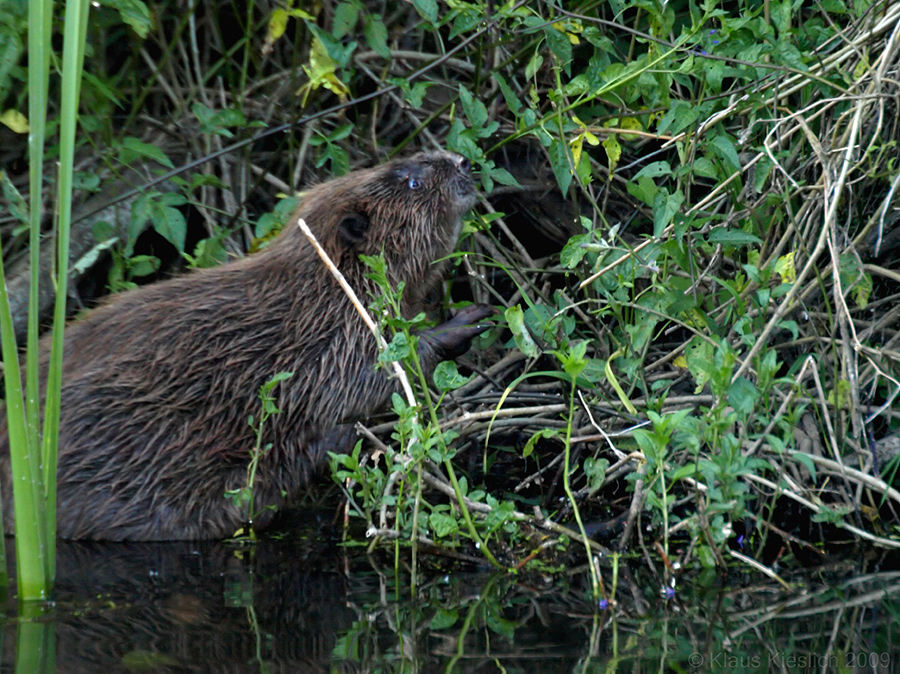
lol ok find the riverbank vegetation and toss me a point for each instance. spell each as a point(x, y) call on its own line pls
point(687, 224)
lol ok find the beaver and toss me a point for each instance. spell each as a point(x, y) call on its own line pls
point(159, 382)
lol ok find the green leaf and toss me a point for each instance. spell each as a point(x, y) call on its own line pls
point(346, 15)
point(560, 160)
point(584, 171)
point(347, 461)
point(613, 152)
point(444, 618)
point(700, 358)
point(743, 396)
point(788, 54)
point(706, 556)
point(143, 265)
point(277, 25)
point(266, 389)
point(415, 94)
point(574, 251)
point(475, 110)
point(466, 21)
point(541, 434)
point(462, 140)
point(649, 443)
point(88, 181)
point(559, 44)
point(807, 462)
point(724, 149)
point(15, 121)
point(398, 349)
point(617, 387)
point(442, 525)
point(862, 291)
point(679, 117)
point(704, 168)
point(376, 35)
point(427, 8)
point(159, 210)
point(534, 65)
point(87, 260)
point(504, 177)
point(172, 225)
point(644, 189)
point(134, 13)
point(513, 102)
point(687, 470)
point(206, 180)
point(732, 237)
point(15, 203)
point(573, 360)
point(516, 320)
point(218, 121)
point(326, 54)
point(207, 253)
point(714, 72)
point(447, 377)
point(665, 206)
point(853, 275)
point(654, 170)
point(761, 173)
point(595, 471)
point(831, 514)
point(133, 148)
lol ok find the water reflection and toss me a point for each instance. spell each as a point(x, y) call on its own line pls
point(286, 607)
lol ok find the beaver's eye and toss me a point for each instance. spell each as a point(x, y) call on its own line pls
point(414, 183)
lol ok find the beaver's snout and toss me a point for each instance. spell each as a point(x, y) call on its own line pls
point(462, 181)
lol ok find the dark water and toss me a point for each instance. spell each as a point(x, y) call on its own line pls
point(311, 606)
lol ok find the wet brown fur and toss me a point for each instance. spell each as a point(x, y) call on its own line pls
point(158, 383)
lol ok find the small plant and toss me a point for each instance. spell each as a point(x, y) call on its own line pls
point(424, 445)
point(243, 497)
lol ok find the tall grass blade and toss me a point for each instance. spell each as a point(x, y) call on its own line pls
point(40, 14)
point(35, 643)
point(40, 21)
point(33, 455)
point(72, 64)
point(23, 419)
point(31, 540)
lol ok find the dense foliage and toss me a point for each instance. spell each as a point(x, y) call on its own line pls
point(686, 224)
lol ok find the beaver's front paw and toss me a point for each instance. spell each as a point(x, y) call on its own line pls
point(454, 337)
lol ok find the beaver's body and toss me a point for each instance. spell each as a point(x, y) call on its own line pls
point(159, 383)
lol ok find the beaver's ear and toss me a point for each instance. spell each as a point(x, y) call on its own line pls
point(353, 227)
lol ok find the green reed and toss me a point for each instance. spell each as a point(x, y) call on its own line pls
point(33, 448)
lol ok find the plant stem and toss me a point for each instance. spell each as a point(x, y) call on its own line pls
point(460, 497)
point(76, 20)
point(567, 487)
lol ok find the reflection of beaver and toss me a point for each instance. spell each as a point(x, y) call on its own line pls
point(158, 383)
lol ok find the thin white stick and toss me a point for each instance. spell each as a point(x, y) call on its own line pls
point(367, 318)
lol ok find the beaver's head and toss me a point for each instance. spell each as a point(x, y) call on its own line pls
point(410, 209)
